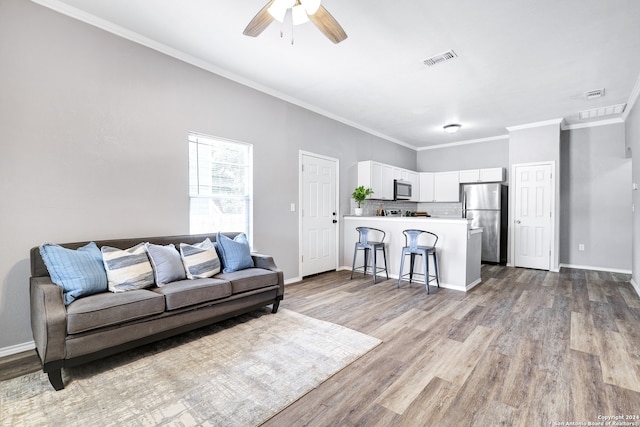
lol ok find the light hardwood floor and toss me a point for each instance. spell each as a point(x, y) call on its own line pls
point(524, 348)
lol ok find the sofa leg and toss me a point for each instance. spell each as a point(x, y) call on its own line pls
point(55, 378)
point(276, 305)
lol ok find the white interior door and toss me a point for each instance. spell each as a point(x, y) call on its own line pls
point(533, 216)
point(319, 221)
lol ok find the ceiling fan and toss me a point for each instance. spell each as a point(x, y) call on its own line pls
point(301, 12)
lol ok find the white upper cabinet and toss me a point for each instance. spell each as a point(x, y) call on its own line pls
point(388, 175)
point(414, 179)
point(482, 175)
point(470, 175)
point(439, 187)
point(446, 186)
point(426, 187)
point(378, 177)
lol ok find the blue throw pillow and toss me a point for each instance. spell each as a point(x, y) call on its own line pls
point(236, 254)
point(79, 272)
point(166, 263)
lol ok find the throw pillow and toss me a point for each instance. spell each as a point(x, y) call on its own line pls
point(236, 254)
point(200, 260)
point(127, 269)
point(166, 263)
point(78, 272)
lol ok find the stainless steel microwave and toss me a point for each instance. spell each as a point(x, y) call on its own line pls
point(401, 190)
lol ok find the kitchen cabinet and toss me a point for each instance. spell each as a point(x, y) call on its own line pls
point(414, 179)
point(446, 186)
point(426, 187)
point(439, 187)
point(482, 175)
point(378, 177)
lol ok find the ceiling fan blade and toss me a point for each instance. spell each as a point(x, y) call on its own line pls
point(259, 22)
point(328, 25)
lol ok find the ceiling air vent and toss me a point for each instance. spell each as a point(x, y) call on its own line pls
point(441, 57)
point(602, 111)
point(597, 93)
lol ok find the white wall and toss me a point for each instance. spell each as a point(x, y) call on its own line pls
point(93, 145)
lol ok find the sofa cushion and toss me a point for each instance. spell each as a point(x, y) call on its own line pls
point(249, 279)
point(79, 272)
point(184, 293)
point(105, 309)
point(235, 253)
point(200, 260)
point(127, 269)
point(166, 263)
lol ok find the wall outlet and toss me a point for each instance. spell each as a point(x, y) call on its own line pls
point(581, 247)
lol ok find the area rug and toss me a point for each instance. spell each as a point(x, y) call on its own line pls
point(239, 372)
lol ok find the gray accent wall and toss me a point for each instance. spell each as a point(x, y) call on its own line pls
point(595, 198)
point(632, 128)
point(489, 154)
point(93, 133)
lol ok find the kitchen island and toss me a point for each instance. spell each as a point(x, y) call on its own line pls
point(458, 248)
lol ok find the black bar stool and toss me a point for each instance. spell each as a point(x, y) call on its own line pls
point(370, 247)
point(412, 248)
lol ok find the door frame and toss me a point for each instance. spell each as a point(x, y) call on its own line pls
point(553, 241)
point(301, 154)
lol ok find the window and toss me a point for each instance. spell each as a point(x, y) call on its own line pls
point(220, 185)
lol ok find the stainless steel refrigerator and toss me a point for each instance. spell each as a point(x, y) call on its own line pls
point(486, 206)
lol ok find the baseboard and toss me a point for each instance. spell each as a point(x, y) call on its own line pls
point(18, 348)
point(635, 286)
point(292, 280)
point(473, 284)
point(589, 267)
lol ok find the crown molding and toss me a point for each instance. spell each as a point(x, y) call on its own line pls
point(119, 31)
point(469, 141)
point(633, 97)
point(536, 124)
point(593, 124)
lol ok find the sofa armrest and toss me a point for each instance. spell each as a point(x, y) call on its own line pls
point(267, 262)
point(48, 319)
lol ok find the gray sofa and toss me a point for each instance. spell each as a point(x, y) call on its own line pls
point(105, 323)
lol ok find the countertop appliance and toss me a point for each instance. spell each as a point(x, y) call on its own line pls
point(401, 190)
point(486, 206)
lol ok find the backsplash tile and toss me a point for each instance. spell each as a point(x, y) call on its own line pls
point(446, 210)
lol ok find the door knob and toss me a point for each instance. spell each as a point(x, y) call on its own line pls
point(335, 220)
point(517, 221)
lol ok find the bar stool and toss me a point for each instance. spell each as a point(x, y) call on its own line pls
point(412, 248)
point(370, 246)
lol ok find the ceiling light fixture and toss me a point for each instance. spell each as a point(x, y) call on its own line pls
point(452, 128)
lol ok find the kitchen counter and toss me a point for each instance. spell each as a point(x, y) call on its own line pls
point(459, 246)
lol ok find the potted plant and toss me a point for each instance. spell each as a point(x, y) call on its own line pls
point(359, 195)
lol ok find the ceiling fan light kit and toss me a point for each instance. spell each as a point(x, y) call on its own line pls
point(301, 11)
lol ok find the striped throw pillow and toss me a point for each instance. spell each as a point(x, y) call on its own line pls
point(127, 269)
point(200, 260)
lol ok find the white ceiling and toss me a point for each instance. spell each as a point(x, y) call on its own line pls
point(519, 61)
